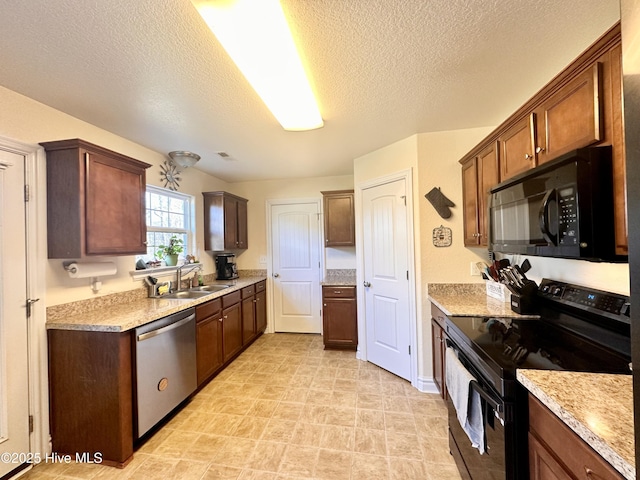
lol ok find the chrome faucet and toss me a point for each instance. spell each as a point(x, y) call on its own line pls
point(179, 272)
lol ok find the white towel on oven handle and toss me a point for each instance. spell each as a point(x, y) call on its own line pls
point(465, 399)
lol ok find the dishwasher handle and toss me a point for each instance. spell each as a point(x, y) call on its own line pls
point(172, 326)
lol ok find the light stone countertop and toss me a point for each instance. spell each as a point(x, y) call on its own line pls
point(597, 407)
point(129, 315)
point(469, 300)
point(339, 281)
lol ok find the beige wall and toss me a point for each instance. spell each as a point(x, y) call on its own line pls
point(301, 188)
point(31, 122)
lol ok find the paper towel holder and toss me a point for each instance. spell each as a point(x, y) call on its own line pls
point(93, 271)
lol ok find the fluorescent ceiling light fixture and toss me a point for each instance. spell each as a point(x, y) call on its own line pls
point(256, 36)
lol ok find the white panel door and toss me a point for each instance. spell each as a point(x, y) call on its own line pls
point(14, 378)
point(386, 268)
point(295, 244)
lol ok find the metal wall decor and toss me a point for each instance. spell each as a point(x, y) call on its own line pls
point(170, 175)
point(442, 236)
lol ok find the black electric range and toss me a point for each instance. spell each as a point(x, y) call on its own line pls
point(578, 329)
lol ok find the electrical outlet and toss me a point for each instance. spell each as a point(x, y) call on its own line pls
point(474, 270)
point(263, 259)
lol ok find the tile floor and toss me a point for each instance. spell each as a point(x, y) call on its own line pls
point(287, 409)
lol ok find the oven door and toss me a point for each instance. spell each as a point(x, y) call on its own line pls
point(493, 463)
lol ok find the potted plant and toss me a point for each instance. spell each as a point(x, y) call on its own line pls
point(170, 252)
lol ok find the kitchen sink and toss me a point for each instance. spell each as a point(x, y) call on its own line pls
point(196, 292)
point(209, 288)
point(186, 294)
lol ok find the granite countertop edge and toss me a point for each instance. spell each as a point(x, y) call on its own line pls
point(474, 305)
point(127, 316)
point(544, 392)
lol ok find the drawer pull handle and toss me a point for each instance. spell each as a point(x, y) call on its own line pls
point(337, 292)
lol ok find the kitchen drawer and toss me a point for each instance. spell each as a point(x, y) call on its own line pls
point(248, 291)
point(438, 315)
point(231, 299)
point(261, 286)
point(338, 292)
point(207, 309)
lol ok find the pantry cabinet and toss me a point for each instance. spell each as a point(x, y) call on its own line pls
point(479, 175)
point(225, 222)
point(95, 201)
point(339, 218)
point(339, 317)
point(580, 107)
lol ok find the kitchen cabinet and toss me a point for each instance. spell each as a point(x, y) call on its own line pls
point(339, 218)
point(95, 201)
point(339, 317)
point(479, 175)
point(209, 347)
point(261, 306)
point(231, 325)
point(225, 222)
point(249, 330)
point(579, 107)
point(91, 394)
point(438, 348)
point(556, 452)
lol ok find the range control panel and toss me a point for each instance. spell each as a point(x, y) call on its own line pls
point(608, 304)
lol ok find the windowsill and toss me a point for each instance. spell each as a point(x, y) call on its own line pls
point(154, 272)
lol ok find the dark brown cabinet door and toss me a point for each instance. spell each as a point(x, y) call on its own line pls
point(225, 222)
point(261, 312)
point(339, 218)
point(517, 153)
point(95, 201)
point(232, 330)
point(470, 202)
point(438, 356)
point(248, 319)
point(339, 317)
point(209, 346)
point(570, 118)
point(479, 175)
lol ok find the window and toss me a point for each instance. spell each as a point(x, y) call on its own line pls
point(168, 213)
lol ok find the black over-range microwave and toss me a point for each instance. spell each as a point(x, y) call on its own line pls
point(562, 208)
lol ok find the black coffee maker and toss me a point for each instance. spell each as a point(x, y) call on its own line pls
point(226, 266)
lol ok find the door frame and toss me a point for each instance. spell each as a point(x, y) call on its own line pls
point(407, 176)
point(36, 248)
point(270, 202)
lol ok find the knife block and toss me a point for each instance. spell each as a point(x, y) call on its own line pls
point(523, 304)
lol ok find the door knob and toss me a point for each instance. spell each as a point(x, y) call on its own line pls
point(367, 284)
point(276, 275)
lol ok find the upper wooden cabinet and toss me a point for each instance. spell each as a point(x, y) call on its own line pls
point(225, 222)
point(339, 218)
point(479, 174)
point(579, 107)
point(95, 201)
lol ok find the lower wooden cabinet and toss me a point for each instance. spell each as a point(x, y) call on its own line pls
point(339, 317)
point(91, 394)
point(248, 314)
point(438, 348)
point(209, 346)
point(556, 452)
point(231, 325)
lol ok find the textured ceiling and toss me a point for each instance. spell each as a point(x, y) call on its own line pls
point(382, 70)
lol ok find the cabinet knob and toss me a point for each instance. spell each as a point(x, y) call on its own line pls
point(220, 320)
point(225, 317)
point(324, 304)
point(528, 156)
point(539, 149)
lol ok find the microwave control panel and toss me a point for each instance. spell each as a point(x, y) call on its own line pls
point(567, 216)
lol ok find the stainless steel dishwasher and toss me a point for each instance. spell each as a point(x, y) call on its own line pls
point(165, 366)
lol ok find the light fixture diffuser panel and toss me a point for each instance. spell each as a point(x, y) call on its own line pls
point(256, 36)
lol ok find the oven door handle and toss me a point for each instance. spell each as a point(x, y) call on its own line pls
point(497, 406)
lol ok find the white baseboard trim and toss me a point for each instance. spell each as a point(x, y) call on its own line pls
point(427, 385)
